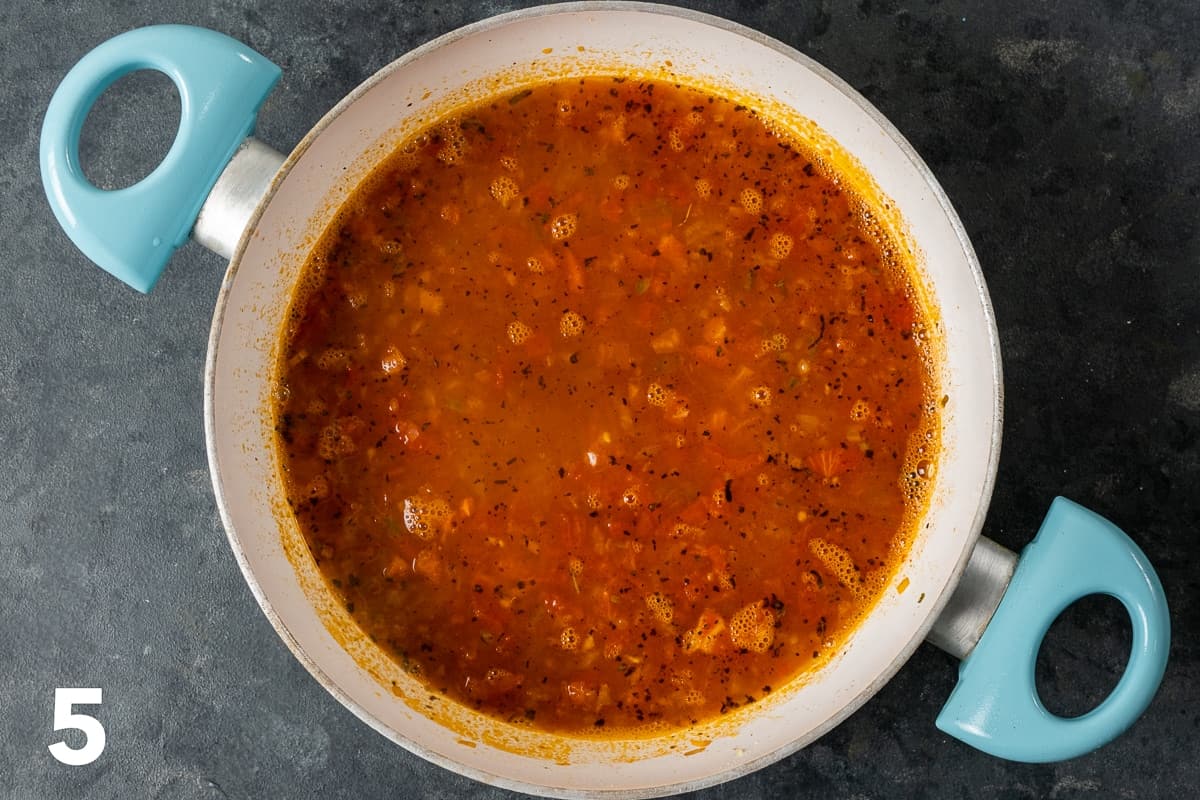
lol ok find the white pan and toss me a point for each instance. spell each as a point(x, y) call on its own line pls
point(263, 212)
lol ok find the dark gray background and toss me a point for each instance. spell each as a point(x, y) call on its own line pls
point(1066, 134)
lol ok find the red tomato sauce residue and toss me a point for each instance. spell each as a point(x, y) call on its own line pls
point(601, 405)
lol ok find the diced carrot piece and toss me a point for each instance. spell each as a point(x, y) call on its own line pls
point(428, 564)
point(666, 342)
point(706, 353)
point(672, 251)
point(706, 635)
point(397, 567)
point(431, 302)
point(714, 330)
point(574, 272)
point(611, 208)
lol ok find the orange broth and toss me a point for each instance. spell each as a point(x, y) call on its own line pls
point(602, 409)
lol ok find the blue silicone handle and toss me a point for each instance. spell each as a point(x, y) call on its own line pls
point(132, 232)
point(995, 706)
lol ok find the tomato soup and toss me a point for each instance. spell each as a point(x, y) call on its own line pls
point(604, 407)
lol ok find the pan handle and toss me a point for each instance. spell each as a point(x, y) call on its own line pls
point(132, 232)
point(995, 705)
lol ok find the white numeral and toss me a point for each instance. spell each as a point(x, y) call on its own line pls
point(64, 717)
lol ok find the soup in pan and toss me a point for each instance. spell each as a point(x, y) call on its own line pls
point(605, 407)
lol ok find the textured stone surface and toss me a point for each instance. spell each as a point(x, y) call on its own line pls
point(1067, 135)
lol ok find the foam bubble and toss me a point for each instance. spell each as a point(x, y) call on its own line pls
point(839, 562)
point(334, 441)
point(751, 200)
point(569, 639)
point(860, 410)
point(535, 265)
point(657, 395)
point(423, 516)
point(780, 245)
point(621, 182)
point(393, 360)
point(504, 190)
point(661, 606)
point(519, 332)
point(333, 358)
point(918, 471)
point(682, 529)
point(760, 396)
point(705, 634)
point(407, 160)
point(510, 163)
point(356, 297)
point(564, 226)
point(631, 498)
point(570, 325)
point(682, 678)
point(752, 628)
point(413, 145)
point(773, 344)
point(920, 333)
point(454, 142)
point(675, 140)
point(703, 188)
